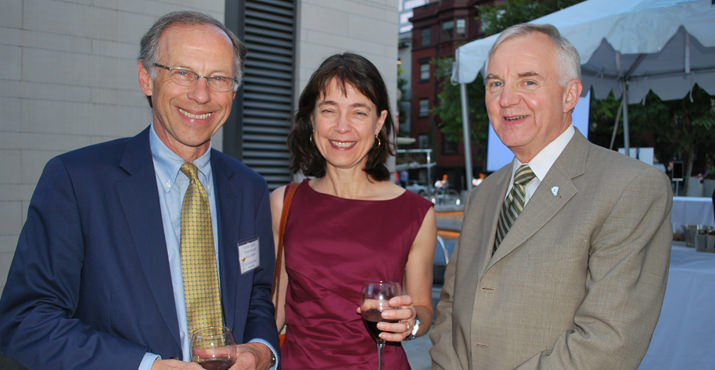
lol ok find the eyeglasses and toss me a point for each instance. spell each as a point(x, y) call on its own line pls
point(187, 77)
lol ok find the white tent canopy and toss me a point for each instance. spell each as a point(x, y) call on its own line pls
point(634, 46)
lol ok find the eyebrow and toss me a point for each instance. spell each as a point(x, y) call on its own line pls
point(354, 105)
point(214, 73)
point(528, 74)
point(493, 76)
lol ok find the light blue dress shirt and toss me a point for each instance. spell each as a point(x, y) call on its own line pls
point(172, 185)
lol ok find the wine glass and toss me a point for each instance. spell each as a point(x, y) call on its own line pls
point(375, 297)
point(204, 341)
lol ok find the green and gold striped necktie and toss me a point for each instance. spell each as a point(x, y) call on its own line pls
point(514, 203)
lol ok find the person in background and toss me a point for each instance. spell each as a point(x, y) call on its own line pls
point(96, 281)
point(347, 225)
point(404, 178)
point(563, 256)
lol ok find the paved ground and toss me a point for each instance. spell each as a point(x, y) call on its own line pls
point(418, 353)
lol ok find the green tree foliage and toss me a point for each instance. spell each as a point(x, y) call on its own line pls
point(403, 97)
point(508, 13)
point(448, 112)
point(683, 128)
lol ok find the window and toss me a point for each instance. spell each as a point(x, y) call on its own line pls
point(447, 30)
point(424, 71)
point(425, 39)
point(423, 141)
point(461, 28)
point(449, 147)
point(424, 108)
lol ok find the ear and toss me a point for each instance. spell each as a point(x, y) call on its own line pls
point(381, 121)
point(572, 92)
point(145, 82)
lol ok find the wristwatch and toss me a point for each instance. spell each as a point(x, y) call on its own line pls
point(415, 328)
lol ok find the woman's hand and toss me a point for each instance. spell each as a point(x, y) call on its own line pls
point(403, 319)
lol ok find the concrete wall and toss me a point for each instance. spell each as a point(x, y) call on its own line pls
point(365, 27)
point(68, 76)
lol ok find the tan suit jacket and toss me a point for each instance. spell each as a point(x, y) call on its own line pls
point(578, 281)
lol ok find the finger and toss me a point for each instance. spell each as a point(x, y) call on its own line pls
point(398, 314)
point(403, 300)
point(398, 335)
point(400, 327)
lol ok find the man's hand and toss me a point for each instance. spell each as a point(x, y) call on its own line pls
point(252, 356)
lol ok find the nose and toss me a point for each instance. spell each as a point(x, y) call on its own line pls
point(508, 96)
point(200, 92)
point(343, 124)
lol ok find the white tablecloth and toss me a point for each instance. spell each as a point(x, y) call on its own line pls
point(685, 335)
point(692, 211)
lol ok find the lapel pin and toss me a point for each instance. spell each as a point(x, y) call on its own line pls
point(555, 190)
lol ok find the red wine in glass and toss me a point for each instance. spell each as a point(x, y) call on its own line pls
point(205, 341)
point(216, 363)
point(371, 318)
point(375, 298)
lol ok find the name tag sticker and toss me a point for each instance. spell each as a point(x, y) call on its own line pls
point(248, 257)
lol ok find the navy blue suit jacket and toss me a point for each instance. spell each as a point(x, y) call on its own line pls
point(90, 287)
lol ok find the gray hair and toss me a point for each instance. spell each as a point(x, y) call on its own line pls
point(149, 47)
point(569, 62)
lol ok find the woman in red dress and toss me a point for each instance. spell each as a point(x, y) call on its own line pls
point(349, 224)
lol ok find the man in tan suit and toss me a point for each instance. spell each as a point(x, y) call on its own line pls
point(578, 279)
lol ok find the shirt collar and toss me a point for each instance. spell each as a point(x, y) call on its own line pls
point(542, 162)
point(167, 164)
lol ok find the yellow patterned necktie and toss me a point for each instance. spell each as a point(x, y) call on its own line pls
point(514, 203)
point(198, 257)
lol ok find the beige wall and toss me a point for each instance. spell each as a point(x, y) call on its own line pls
point(68, 76)
point(365, 27)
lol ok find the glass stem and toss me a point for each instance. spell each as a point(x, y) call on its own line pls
point(380, 344)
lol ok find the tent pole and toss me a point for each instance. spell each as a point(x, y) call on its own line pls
point(626, 141)
point(465, 131)
point(615, 126)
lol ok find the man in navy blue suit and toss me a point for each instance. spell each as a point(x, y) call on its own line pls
point(96, 279)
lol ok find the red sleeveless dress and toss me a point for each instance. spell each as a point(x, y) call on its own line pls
point(332, 246)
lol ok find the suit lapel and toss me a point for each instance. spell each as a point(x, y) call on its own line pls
point(474, 250)
point(139, 197)
point(228, 219)
point(544, 205)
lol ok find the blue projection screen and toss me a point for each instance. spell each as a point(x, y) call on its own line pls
point(499, 155)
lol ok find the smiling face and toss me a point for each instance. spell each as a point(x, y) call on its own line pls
point(527, 106)
point(345, 124)
point(185, 118)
